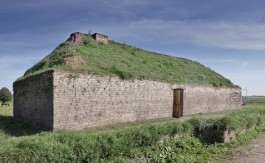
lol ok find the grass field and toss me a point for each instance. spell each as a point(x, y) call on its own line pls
point(254, 100)
point(10, 127)
point(22, 143)
point(6, 110)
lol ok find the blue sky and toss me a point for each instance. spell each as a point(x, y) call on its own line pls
point(227, 36)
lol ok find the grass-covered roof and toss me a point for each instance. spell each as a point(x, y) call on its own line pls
point(84, 54)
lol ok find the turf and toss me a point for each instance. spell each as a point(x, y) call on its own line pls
point(128, 63)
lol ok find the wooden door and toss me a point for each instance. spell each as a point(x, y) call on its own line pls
point(178, 103)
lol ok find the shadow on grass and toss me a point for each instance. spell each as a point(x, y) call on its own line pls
point(13, 127)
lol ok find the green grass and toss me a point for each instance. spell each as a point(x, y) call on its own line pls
point(191, 149)
point(128, 62)
point(254, 100)
point(6, 110)
point(122, 142)
point(10, 127)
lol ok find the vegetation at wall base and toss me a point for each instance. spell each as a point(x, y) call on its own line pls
point(127, 62)
point(191, 149)
point(134, 141)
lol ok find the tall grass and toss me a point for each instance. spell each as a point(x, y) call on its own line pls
point(109, 144)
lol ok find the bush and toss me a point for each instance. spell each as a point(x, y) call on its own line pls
point(5, 95)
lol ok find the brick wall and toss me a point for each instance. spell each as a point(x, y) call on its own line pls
point(57, 100)
point(87, 100)
point(33, 100)
point(202, 99)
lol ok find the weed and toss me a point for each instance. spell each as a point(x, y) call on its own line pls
point(121, 73)
point(72, 76)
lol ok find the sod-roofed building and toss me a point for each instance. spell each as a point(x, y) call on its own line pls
point(90, 81)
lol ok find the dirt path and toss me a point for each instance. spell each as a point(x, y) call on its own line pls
point(253, 153)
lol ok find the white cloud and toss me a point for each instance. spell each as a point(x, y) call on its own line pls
point(228, 60)
point(10, 62)
point(20, 58)
point(231, 63)
point(255, 86)
point(244, 64)
point(208, 34)
point(220, 61)
point(12, 67)
point(124, 3)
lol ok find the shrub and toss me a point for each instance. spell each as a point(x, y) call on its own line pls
point(5, 95)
